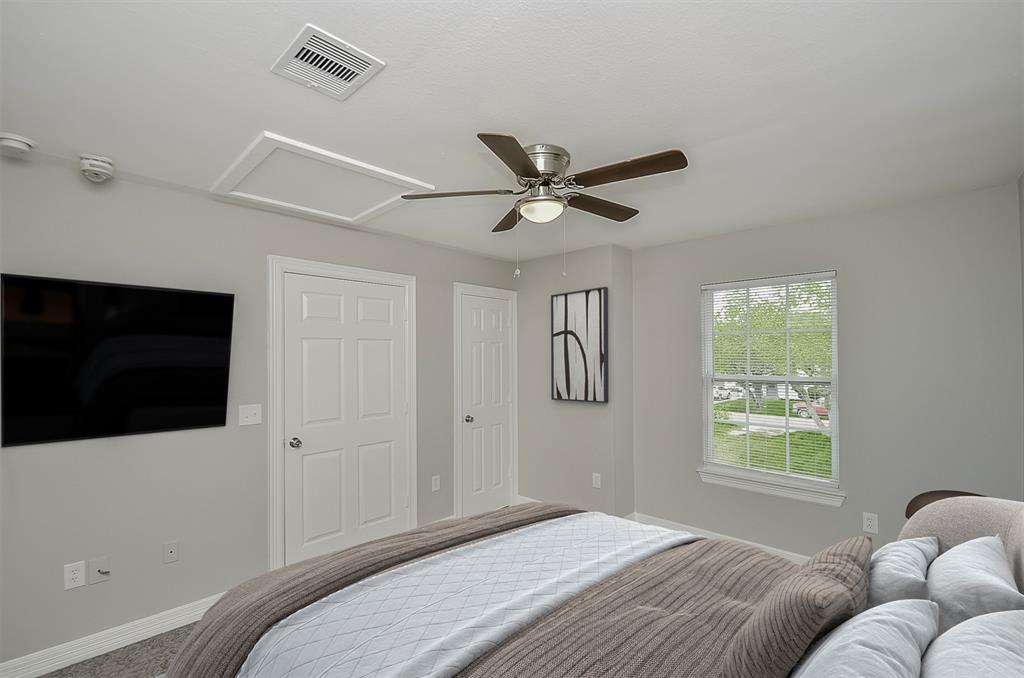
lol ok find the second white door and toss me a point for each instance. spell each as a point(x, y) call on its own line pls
point(485, 393)
point(346, 444)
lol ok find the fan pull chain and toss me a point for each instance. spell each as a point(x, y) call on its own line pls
point(516, 273)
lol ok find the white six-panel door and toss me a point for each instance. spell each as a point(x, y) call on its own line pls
point(486, 402)
point(346, 467)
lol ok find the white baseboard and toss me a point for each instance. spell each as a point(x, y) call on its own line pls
point(653, 520)
point(74, 651)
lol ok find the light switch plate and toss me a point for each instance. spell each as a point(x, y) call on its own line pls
point(249, 415)
point(435, 483)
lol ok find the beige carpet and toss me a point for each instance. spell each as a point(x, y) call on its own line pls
point(144, 659)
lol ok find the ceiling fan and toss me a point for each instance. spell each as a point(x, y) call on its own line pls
point(547, 189)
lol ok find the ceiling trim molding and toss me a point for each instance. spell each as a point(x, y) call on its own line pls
point(268, 142)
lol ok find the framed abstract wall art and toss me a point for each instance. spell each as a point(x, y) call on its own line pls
point(579, 346)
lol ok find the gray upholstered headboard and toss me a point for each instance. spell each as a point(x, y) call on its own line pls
point(960, 519)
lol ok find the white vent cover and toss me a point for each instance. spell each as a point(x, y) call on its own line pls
point(327, 64)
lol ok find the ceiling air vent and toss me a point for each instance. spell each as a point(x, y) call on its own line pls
point(327, 64)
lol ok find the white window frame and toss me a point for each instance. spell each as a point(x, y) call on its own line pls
point(776, 483)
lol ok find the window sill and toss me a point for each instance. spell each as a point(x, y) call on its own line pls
point(775, 484)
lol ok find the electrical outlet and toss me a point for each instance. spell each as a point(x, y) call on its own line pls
point(170, 552)
point(435, 483)
point(74, 575)
point(249, 415)
point(596, 481)
point(871, 523)
point(99, 570)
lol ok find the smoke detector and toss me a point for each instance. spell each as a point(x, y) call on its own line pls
point(15, 146)
point(326, 63)
point(96, 168)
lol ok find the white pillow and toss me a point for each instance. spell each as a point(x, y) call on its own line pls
point(991, 645)
point(971, 579)
point(899, 570)
point(884, 642)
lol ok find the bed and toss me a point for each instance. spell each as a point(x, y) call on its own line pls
point(542, 590)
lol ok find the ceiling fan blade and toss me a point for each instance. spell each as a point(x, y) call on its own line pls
point(510, 152)
point(456, 194)
point(656, 163)
point(508, 222)
point(602, 208)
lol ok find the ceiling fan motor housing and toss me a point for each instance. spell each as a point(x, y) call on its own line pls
point(551, 161)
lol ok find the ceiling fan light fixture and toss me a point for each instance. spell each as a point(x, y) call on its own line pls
point(541, 209)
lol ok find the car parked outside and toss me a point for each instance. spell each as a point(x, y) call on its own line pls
point(801, 409)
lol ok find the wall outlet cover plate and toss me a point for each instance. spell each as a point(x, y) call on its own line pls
point(170, 552)
point(74, 575)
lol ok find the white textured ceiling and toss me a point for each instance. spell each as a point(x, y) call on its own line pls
point(785, 110)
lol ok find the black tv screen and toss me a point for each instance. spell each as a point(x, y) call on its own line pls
point(88, 360)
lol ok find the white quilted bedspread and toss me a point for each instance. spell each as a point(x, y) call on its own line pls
point(433, 617)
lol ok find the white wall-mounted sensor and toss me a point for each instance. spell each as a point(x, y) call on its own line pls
point(96, 168)
point(15, 146)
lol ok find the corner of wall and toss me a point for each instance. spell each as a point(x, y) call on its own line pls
point(636, 368)
point(1020, 216)
point(622, 348)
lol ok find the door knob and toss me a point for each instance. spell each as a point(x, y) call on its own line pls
point(469, 419)
point(295, 443)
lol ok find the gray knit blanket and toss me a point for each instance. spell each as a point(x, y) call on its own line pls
point(715, 608)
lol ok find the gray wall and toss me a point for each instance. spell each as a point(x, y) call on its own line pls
point(928, 293)
point(560, 443)
point(961, 427)
point(207, 488)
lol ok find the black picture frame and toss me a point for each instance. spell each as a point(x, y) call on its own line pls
point(567, 344)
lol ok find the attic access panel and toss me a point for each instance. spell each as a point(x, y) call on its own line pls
point(285, 175)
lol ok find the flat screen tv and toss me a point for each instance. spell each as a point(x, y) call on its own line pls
point(89, 360)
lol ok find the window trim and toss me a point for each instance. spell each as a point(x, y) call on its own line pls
point(781, 484)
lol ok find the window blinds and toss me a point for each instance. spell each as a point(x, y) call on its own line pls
point(770, 374)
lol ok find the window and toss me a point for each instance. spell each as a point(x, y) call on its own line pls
point(770, 405)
